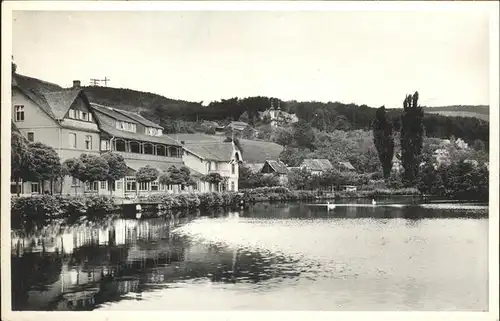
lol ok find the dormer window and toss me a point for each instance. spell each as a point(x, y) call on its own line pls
point(71, 114)
point(153, 131)
point(123, 125)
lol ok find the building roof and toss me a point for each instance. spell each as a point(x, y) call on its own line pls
point(109, 111)
point(254, 167)
point(218, 151)
point(138, 118)
point(61, 101)
point(278, 166)
point(52, 99)
point(237, 124)
point(112, 131)
point(197, 138)
point(347, 165)
point(317, 164)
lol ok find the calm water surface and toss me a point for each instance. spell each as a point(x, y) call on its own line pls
point(284, 256)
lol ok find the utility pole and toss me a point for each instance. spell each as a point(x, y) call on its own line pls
point(97, 82)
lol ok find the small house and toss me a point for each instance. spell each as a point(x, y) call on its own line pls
point(316, 166)
point(278, 168)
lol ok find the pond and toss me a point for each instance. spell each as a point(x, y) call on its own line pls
point(396, 255)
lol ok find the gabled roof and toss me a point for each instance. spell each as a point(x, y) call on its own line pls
point(278, 166)
point(52, 99)
point(61, 101)
point(255, 167)
point(111, 113)
point(35, 88)
point(347, 165)
point(138, 118)
point(218, 151)
point(317, 164)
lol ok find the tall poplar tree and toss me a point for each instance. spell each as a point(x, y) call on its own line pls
point(412, 132)
point(383, 140)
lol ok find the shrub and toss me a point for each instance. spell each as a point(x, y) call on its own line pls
point(100, 205)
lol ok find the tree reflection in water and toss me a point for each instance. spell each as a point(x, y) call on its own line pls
point(83, 266)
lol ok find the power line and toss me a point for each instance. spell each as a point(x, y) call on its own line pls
point(97, 82)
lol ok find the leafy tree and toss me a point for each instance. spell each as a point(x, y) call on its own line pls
point(93, 168)
point(20, 159)
point(213, 178)
point(117, 168)
point(303, 135)
point(384, 142)
point(282, 136)
point(248, 179)
point(74, 168)
point(299, 179)
point(412, 131)
point(45, 164)
point(293, 156)
point(146, 174)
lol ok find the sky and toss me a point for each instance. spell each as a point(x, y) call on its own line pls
point(363, 57)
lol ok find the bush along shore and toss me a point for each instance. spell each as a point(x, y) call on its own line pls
point(44, 208)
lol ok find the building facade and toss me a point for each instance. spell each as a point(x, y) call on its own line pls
point(60, 118)
point(65, 120)
point(141, 143)
point(223, 158)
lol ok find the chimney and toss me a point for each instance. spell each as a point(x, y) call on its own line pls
point(76, 84)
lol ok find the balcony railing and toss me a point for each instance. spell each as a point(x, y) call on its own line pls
point(148, 157)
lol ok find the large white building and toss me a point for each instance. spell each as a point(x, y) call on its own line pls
point(65, 119)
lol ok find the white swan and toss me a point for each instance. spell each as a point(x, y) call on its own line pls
point(373, 202)
point(330, 206)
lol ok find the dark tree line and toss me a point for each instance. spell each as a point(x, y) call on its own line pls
point(328, 116)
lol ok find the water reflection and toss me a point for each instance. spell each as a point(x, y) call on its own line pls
point(384, 256)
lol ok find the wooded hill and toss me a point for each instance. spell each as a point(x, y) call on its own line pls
point(470, 124)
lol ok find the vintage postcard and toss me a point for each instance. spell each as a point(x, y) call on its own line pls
point(243, 160)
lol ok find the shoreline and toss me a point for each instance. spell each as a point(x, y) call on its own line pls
point(43, 208)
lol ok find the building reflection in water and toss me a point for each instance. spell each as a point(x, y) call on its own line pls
point(81, 267)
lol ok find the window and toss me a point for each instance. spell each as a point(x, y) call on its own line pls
point(104, 185)
point(19, 112)
point(104, 144)
point(131, 184)
point(233, 169)
point(90, 117)
point(160, 132)
point(119, 185)
point(31, 136)
point(143, 186)
point(72, 113)
point(72, 140)
point(232, 186)
point(75, 182)
point(84, 116)
point(91, 186)
point(88, 142)
point(35, 188)
point(154, 186)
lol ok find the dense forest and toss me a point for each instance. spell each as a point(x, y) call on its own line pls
point(322, 116)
